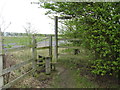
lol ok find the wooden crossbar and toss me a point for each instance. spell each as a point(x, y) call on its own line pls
point(17, 79)
point(14, 67)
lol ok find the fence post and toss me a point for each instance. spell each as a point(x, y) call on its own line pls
point(1, 61)
point(50, 48)
point(56, 38)
point(34, 51)
point(47, 65)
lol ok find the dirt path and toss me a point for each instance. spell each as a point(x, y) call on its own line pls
point(64, 78)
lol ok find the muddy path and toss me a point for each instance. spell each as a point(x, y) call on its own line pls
point(64, 78)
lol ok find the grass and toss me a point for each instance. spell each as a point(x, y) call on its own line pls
point(79, 68)
point(80, 81)
point(12, 41)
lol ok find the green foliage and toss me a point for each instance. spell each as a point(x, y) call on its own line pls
point(98, 25)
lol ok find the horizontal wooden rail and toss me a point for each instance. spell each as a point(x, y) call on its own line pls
point(69, 47)
point(46, 47)
point(69, 39)
point(18, 49)
point(17, 79)
point(14, 67)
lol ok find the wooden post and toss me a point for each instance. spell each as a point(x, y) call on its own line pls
point(47, 65)
point(50, 49)
point(56, 39)
point(34, 52)
point(1, 61)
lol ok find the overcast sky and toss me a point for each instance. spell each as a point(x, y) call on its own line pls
point(19, 12)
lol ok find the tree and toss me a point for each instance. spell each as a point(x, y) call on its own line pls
point(98, 25)
point(3, 25)
point(29, 31)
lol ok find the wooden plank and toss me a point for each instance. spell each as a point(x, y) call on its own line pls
point(46, 47)
point(17, 79)
point(47, 65)
point(69, 47)
point(14, 67)
point(1, 61)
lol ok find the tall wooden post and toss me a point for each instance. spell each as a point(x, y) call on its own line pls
point(34, 52)
point(50, 48)
point(56, 39)
point(1, 61)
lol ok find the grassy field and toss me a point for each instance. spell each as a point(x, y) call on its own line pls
point(14, 41)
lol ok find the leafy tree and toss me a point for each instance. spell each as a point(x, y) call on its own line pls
point(98, 25)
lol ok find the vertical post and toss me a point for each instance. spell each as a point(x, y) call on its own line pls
point(50, 49)
point(47, 65)
point(1, 61)
point(34, 52)
point(56, 38)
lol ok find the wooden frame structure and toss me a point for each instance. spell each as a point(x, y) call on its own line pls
point(17, 66)
point(48, 60)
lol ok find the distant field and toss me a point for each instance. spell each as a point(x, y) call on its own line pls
point(9, 42)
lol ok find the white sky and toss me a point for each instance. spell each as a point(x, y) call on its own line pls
point(19, 12)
